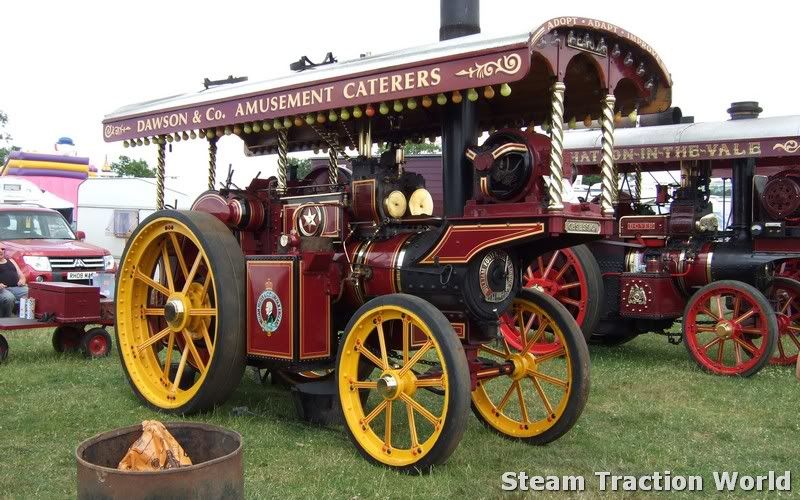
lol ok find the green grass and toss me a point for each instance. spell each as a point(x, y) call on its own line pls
point(650, 409)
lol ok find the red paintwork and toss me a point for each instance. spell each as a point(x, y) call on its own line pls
point(364, 204)
point(70, 302)
point(381, 258)
point(662, 298)
point(776, 245)
point(280, 343)
point(460, 243)
point(315, 312)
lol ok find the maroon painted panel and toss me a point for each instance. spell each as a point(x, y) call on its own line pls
point(399, 83)
point(460, 243)
point(332, 219)
point(270, 299)
point(651, 296)
point(364, 201)
point(315, 315)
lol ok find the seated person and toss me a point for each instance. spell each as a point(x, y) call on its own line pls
point(12, 284)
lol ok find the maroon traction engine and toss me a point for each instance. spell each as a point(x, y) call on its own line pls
point(343, 278)
point(723, 261)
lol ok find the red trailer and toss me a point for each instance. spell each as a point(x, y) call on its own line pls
point(350, 277)
point(77, 312)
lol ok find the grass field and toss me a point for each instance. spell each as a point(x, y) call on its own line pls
point(650, 409)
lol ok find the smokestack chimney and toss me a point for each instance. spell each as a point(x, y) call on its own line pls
point(460, 121)
point(744, 110)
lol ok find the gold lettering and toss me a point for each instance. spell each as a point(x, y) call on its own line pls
point(584, 157)
point(408, 81)
point(435, 76)
point(755, 148)
point(724, 151)
point(327, 90)
point(273, 102)
point(263, 105)
point(594, 156)
point(316, 96)
point(282, 101)
point(711, 149)
point(652, 153)
point(422, 78)
point(306, 98)
point(362, 90)
point(627, 154)
point(293, 100)
point(140, 126)
point(667, 152)
point(397, 83)
point(384, 84)
point(737, 151)
point(348, 94)
point(615, 154)
point(372, 82)
point(694, 151)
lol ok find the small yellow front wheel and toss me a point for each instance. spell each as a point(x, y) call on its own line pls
point(404, 397)
point(547, 384)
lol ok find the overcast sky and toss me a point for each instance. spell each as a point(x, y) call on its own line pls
point(67, 64)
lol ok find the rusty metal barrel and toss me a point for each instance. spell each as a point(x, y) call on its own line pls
point(216, 471)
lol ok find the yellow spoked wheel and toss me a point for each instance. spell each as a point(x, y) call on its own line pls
point(545, 383)
point(180, 311)
point(414, 412)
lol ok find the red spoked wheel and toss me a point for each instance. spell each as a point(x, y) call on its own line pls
point(730, 329)
point(790, 269)
point(572, 277)
point(784, 293)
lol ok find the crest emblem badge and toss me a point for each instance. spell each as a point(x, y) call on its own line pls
point(637, 296)
point(269, 310)
point(311, 220)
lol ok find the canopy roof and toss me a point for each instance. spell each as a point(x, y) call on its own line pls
point(774, 140)
point(327, 103)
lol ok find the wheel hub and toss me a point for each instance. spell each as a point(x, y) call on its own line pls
point(391, 384)
point(724, 329)
point(522, 365)
point(175, 313)
point(784, 322)
point(388, 387)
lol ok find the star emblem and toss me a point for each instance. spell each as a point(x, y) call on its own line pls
point(310, 221)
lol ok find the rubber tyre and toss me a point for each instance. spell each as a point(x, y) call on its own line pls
point(95, 343)
point(592, 287)
point(3, 349)
point(771, 325)
point(578, 352)
point(227, 264)
point(455, 418)
point(67, 338)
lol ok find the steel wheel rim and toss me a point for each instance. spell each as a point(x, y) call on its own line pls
point(726, 334)
point(383, 446)
point(787, 309)
point(561, 276)
point(545, 341)
point(145, 300)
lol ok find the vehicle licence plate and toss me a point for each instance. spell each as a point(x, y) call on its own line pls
point(81, 275)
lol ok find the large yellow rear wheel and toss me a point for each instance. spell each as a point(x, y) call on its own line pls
point(181, 311)
point(404, 398)
point(543, 396)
